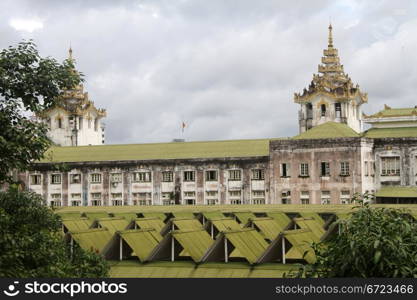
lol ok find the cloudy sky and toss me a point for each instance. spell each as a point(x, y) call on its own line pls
point(228, 68)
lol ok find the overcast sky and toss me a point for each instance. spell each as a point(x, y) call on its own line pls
point(228, 68)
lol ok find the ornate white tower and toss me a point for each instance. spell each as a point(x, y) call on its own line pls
point(75, 121)
point(331, 95)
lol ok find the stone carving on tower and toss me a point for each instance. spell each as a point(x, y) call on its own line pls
point(331, 95)
point(74, 120)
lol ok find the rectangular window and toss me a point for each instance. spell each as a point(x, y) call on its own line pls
point(167, 198)
point(236, 201)
point(234, 193)
point(75, 199)
point(211, 175)
point(305, 197)
point(116, 177)
point(258, 174)
point(366, 168)
point(258, 197)
point(116, 195)
point(344, 168)
point(325, 197)
point(75, 178)
point(117, 202)
point(304, 170)
point(235, 175)
point(211, 201)
point(325, 169)
point(142, 176)
point(338, 109)
point(76, 196)
point(211, 193)
point(55, 199)
point(142, 198)
point(75, 202)
point(189, 198)
point(35, 179)
point(167, 176)
point(390, 166)
point(96, 199)
point(95, 178)
point(56, 178)
point(286, 197)
point(345, 197)
point(189, 176)
point(285, 170)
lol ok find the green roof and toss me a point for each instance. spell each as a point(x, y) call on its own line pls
point(316, 228)
point(113, 224)
point(280, 217)
point(92, 239)
point(142, 242)
point(394, 112)
point(397, 192)
point(183, 214)
point(300, 240)
point(77, 224)
point(391, 132)
point(248, 242)
point(195, 243)
point(150, 223)
point(328, 130)
point(268, 227)
point(157, 151)
point(244, 217)
point(213, 214)
point(159, 215)
point(315, 216)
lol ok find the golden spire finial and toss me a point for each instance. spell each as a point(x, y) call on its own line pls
point(330, 36)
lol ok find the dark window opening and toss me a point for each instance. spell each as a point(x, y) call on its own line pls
point(323, 110)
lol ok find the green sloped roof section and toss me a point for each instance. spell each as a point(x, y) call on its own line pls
point(394, 112)
point(129, 216)
point(343, 215)
point(222, 270)
point(69, 214)
point(92, 239)
point(280, 217)
point(397, 192)
point(268, 227)
point(398, 132)
point(300, 240)
point(244, 216)
point(158, 151)
point(77, 224)
point(213, 214)
point(113, 224)
point(328, 130)
point(317, 230)
point(142, 242)
point(187, 224)
point(250, 244)
point(183, 214)
point(314, 215)
point(159, 215)
point(195, 242)
point(225, 224)
point(150, 223)
point(93, 215)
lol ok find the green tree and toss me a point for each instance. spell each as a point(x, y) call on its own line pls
point(31, 241)
point(373, 242)
point(28, 84)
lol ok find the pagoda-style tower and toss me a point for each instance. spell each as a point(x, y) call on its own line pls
point(331, 95)
point(75, 121)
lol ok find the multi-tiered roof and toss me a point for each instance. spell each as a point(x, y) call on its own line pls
point(331, 80)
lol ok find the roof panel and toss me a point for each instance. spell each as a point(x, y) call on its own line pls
point(328, 130)
point(142, 242)
point(398, 132)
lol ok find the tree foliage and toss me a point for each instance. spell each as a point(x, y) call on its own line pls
point(373, 242)
point(31, 242)
point(28, 84)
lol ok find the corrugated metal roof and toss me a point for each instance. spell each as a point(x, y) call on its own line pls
point(225, 224)
point(159, 215)
point(300, 240)
point(311, 224)
point(398, 132)
point(77, 224)
point(113, 224)
point(153, 223)
point(95, 214)
point(397, 191)
point(244, 217)
point(195, 243)
point(248, 242)
point(157, 151)
point(142, 242)
point(187, 224)
point(314, 215)
point(92, 239)
point(268, 227)
point(213, 214)
point(280, 217)
point(183, 214)
point(328, 130)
